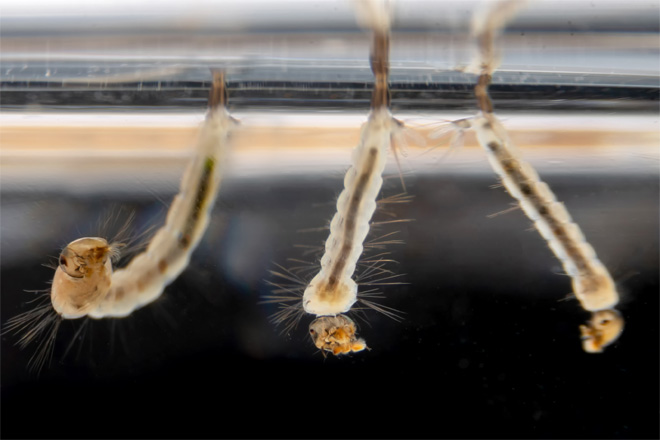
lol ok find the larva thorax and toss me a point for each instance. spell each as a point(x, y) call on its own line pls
point(596, 290)
point(329, 296)
point(83, 276)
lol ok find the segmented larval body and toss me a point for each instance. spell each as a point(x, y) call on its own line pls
point(85, 284)
point(168, 254)
point(332, 291)
point(592, 283)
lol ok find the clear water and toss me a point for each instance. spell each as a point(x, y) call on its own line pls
point(98, 117)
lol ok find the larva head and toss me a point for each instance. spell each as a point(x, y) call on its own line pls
point(336, 334)
point(601, 330)
point(82, 277)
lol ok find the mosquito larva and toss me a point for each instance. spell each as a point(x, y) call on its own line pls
point(85, 283)
point(592, 284)
point(332, 291)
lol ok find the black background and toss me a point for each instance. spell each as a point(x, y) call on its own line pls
point(487, 347)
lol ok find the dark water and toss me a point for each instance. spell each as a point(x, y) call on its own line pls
point(487, 347)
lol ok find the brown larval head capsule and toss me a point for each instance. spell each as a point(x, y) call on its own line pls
point(336, 334)
point(603, 328)
point(82, 277)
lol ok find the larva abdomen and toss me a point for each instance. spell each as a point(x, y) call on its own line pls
point(168, 254)
point(593, 286)
point(332, 291)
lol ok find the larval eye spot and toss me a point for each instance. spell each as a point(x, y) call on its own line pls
point(162, 266)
